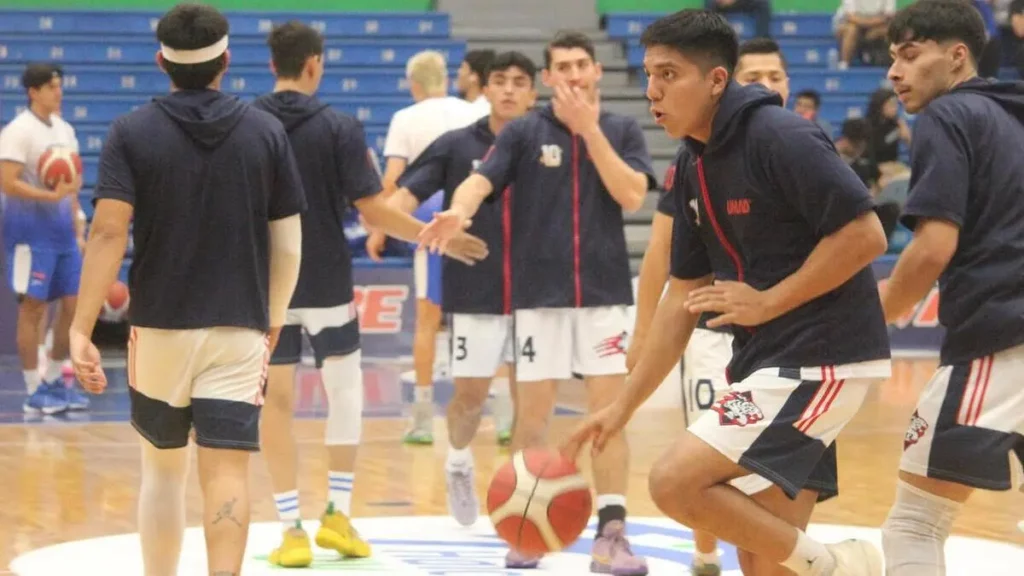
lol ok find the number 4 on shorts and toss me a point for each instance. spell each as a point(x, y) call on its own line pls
point(526, 348)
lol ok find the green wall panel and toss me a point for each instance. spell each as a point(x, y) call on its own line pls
point(606, 6)
point(248, 5)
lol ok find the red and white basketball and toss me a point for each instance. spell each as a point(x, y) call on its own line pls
point(58, 163)
point(539, 502)
point(116, 306)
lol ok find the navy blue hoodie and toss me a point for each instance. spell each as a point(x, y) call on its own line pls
point(568, 238)
point(205, 174)
point(330, 150)
point(755, 201)
point(966, 168)
point(485, 287)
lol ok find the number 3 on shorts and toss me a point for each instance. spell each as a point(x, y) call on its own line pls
point(460, 348)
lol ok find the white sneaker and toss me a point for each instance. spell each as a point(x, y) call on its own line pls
point(856, 558)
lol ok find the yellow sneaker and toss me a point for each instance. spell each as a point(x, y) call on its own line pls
point(337, 533)
point(294, 551)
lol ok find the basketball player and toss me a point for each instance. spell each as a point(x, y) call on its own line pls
point(215, 194)
point(965, 207)
point(789, 247)
point(574, 169)
point(332, 156)
point(471, 78)
point(412, 129)
point(709, 350)
point(478, 298)
point(41, 238)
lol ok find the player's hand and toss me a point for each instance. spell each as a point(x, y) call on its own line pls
point(575, 109)
point(65, 188)
point(597, 428)
point(636, 344)
point(86, 361)
point(467, 249)
point(440, 231)
point(736, 302)
point(375, 243)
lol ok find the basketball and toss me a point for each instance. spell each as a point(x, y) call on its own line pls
point(57, 164)
point(116, 306)
point(539, 502)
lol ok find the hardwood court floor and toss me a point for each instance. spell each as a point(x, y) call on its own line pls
point(68, 481)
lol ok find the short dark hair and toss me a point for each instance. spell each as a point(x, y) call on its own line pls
point(569, 39)
point(1016, 7)
point(762, 46)
point(940, 21)
point(811, 95)
point(855, 130)
point(699, 34)
point(511, 59)
point(291, 45)
point(39, 74)
point(191, 27)
point(478, 61)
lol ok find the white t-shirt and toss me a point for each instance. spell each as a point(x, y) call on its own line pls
point(482, 105)
point(413, 128)
point(26, 138)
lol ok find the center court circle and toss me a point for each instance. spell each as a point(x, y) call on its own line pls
point(436, 545)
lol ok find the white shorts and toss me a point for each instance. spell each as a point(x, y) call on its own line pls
point(480, 344)
point(783, 428)
point(211, 379)
point(704, 363)
point(969, 423)
point(559, 343)
point(332, 331)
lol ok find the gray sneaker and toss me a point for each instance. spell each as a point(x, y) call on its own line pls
point(462, 501)
point(421, 429)
point(700, 569)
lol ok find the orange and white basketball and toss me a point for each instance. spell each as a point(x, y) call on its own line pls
point(58, 163)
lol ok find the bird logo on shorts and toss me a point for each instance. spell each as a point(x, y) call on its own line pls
point(917, 429)
point(611, 346)
point(738, 409)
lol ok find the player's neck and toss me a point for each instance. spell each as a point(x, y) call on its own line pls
point(472, 95)
point(293, 86)
point(495, 124)
point(961, 78)
point(41, 112)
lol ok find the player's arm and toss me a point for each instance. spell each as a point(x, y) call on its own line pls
point(396, 153)
point(78, 220)
point(654, 272)
point(108, 234)
point(810, 176)
point(285, 205)
point(626, 173)
point(935, 210)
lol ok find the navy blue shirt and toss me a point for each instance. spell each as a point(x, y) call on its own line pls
point(966, 168)
point(667, 206)
point(482, 288)
point(331, 153)
point(205, 174)
point(751, 207)
point(568, 237)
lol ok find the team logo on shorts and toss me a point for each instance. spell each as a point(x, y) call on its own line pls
point(738, 409)
point(611, 346)
point(917, 429)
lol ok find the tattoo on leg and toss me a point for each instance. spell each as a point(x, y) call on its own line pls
point(226, 512)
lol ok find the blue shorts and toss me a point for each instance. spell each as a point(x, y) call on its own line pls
point(426, 266)
point(42, 274)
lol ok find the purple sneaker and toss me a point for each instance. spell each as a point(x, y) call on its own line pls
point(611, 553)
point(516, 561)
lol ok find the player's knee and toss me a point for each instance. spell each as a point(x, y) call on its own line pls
point(343, 385)
point(31, 310)
point(914, 534)
point(471, 393)
point(668, 489)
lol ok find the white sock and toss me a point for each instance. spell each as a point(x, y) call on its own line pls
point(459, 458)
point(288, 508)
point(53, 371)
point(32, 380)
point(424, 394)
point(809, 557)
point(339, 491)
point(604, 500)
point(706, 558)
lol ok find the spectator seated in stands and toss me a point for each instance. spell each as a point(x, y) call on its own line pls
point(862, 25)
point(887, 129)
point(808, 103)
point(852, 146)
point(759, 10)
point(1012, 35)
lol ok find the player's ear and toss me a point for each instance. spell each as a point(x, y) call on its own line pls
point(545, 77)
point(719, 80)
point(273, 69)
point(160, 61)
point(600, 70)
point(961, 56)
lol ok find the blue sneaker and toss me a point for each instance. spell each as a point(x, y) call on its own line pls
point(47, 399)
point(71, 395)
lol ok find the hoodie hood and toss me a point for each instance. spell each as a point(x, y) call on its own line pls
point(1009, 95)
point(207, 116)
point(736, 105)
point(291, 108)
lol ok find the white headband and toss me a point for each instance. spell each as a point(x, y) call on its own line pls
point(194, 56)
